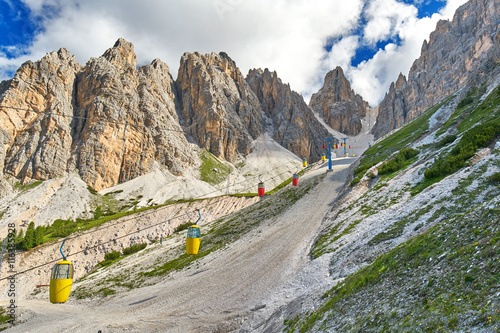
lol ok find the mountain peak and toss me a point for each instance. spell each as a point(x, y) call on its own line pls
point(121, 54)
point(456, 52)
point(338, 104)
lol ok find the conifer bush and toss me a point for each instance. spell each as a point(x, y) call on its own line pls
point(134, 248)
point(397, 162)
point(477, 137)
point(112, 255)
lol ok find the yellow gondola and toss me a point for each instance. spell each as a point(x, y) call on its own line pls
point(323, 157)
point(61, 280)
point(193, 237)
point(304, 162)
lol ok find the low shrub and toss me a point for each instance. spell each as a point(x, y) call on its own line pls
point(398, 161)
point(113, 255)
point(477, 137)
point(183, 226)
point(91, 190)
point(447, 140)
point(355, 181)
point(466, 101)
point(360, 171)
point(494, 178)
point(134, 248)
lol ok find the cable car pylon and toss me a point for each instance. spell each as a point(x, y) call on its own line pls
point(61, 279)
point(330, 152)
point(193, 237)
point(345, 149)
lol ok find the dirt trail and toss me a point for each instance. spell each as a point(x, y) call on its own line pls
point(224, 290)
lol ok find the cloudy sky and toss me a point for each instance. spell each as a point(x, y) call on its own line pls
point(372, 40)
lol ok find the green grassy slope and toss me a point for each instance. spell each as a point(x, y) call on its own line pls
point(444, 278)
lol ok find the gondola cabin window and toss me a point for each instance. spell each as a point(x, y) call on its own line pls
point(62, 271)
point(193, 232)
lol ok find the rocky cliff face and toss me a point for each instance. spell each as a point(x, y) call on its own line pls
point(111, 122)
point(36, 125)
point(141, 107)
point(340, 107)
point(218, 108)
point(108, 120)
point(456, 52)
point(290, 121)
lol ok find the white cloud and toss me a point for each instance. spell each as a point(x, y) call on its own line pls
point(283, 35)
point(386, 18)
point(371, 79)
point(341, 54)
point(382, 69)
point(8, 66)
point(286, 36)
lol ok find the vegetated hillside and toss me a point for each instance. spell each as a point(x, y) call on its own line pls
point(109, 126)
point(415, 242)
point(160, 262)
point(87, 243)
point(110, 122)
point(246, 260)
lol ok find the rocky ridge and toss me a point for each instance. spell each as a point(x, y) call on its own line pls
point(218, 108)
point(290, 120)
point(108, 120)
point(36, 143)
point(144, 127)
point(111, 122)
point(456, 53)
point(338, 104)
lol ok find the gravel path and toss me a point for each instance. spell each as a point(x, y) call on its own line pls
point(247, 281)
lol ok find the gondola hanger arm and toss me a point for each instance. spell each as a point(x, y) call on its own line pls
point(60, 249)
point(199, 217)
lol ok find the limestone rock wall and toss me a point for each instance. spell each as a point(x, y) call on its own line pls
point(293, 124)
point(219, 110)
point(107, 119)
point(456, 52)
point(36, 131)
point(111, 121)
point(340, 107)
point(143, 126)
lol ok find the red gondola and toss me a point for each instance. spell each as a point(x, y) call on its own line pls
point(262, 189)
point(295, 178)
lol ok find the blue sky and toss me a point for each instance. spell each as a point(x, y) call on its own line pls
point(426, 7)
point(17, 28)
point(372, 40)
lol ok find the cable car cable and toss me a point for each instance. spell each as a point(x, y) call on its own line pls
point(109, 241)
point(104, 243)
point(100, 228)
